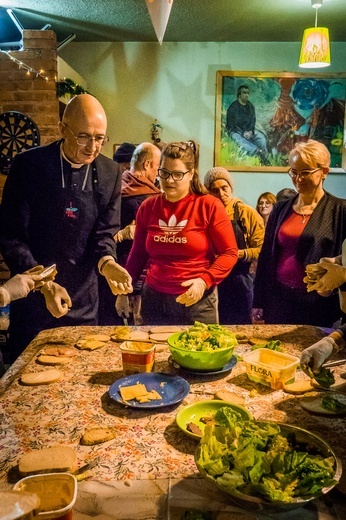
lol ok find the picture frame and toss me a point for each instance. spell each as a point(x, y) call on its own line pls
point(288, 108)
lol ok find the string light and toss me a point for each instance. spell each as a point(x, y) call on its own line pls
point(29, 70)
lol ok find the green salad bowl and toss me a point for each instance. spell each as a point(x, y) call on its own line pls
point(199, 360)
point(315, 444)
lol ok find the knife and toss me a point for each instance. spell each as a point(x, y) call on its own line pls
point(334, 363)
point(79, 473)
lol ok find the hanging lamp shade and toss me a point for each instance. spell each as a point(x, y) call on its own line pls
point(159, 11)
point(315, 50)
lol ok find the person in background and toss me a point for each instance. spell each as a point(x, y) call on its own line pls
point(61, 205)
point(241, 126)
point(236, 290)
point(123, 155)
point(185, 237)
point(138, 183)
point(333, 278)
point(285, 194)
point(300, 231)
point(265, 204)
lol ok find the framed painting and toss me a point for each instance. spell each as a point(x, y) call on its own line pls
point(260, 116)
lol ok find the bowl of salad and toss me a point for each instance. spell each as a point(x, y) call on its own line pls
point(202, 347)
point(265, 465)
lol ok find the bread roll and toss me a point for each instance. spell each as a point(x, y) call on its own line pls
point(53, 360)
point(97, 436)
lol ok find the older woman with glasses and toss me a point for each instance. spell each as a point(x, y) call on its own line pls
point(265, 204)
point(185, 237)
point(300, 231)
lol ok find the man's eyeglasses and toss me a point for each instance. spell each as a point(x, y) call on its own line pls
point(303, 174)
point(176, 175)
point(84, 140)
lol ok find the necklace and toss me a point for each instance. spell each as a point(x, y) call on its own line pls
point(309, 208)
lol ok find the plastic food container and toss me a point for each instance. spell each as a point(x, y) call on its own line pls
point(137, 356)
point(57, 493)
point(271, 368)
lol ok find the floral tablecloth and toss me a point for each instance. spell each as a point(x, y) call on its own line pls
point(149, 444)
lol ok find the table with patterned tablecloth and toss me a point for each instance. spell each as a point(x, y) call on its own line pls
point(148, 470)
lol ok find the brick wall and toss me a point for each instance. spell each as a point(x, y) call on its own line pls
point(30, 94)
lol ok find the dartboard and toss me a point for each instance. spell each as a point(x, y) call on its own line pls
point(18, 132)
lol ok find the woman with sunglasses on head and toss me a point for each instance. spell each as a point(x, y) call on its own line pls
point(187, 240)
point(300, 231)
point(265, 204)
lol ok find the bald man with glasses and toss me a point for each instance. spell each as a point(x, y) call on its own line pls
point(61, 205)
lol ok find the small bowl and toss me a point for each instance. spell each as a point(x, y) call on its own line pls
point(199, 359)
point(256, 503)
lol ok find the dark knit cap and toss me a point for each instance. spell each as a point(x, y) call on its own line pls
point(124, 153)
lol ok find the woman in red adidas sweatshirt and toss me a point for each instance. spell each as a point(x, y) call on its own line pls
point(185, 238)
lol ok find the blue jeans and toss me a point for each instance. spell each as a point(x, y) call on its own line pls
point(256, 144)
point(161, 309)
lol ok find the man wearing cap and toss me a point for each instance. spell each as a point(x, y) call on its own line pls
point(236, 290)
point(123, 155)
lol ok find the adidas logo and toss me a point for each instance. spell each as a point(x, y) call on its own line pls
point(170, 229)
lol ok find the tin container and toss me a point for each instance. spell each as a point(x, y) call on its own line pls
point(137, 356)
point(57, 493)
point(271, 368)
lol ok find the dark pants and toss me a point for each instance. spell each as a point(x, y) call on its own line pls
point(162, 309)
point(296, 306)
point(235, 299)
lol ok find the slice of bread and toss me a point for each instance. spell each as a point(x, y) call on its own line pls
point(59, 351)
point(41, 378)
point(97, 436)
point(53, 360)
point(48, 460)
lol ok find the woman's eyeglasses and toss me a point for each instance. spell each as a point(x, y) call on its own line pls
point(176, 175)
point(264, 204)
point(303, 174)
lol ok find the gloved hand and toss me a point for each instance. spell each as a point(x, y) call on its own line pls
point(122, 306)
point(58, 301)
point(197, 286)
point(332, 279)
point(118, 279)
point(127, 233)
point(36, 273)
point(331, 260)
point(17, 287)
point(316, 355)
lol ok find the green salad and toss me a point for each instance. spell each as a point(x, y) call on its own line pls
point(258, 459)
point(206, 338)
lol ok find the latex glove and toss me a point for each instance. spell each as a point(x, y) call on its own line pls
point(122, 306)
point(331, 260)
point(332, 279)
point(256, 315)
point(317, 354)
point(197, 286)
point(127, 233)
point(118, 279)
point(17, 287)
point(58, 301)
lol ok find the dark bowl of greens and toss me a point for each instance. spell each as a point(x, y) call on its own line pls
point(267, 466)
point(203, 347)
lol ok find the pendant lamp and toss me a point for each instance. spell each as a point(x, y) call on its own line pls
point(315, 52)
point(159, 11)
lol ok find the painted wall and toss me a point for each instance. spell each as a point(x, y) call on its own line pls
point(175, 84)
